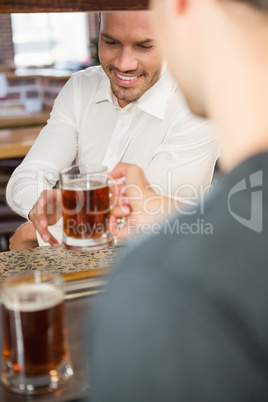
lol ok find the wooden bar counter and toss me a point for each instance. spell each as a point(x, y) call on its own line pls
point(85, 275)
point(24, 120)
point(17, 142)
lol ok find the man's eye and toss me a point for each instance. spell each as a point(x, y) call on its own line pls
point(145, 47)
point(110, 43)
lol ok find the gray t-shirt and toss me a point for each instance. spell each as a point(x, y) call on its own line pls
point(185, 315)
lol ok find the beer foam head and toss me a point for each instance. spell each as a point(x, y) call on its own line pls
point(31, 297)
point(82, 184)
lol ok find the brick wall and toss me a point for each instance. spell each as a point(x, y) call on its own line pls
point(93, 24)
point(6, 45)
point(41, 88)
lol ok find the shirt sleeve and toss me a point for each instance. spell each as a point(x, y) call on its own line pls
point(54, 149)
point(184, 163)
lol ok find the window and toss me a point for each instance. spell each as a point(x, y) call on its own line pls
point(50, 39)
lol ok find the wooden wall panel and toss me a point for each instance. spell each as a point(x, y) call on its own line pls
point(34, 6)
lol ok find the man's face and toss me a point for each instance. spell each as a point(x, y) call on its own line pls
point(128, 54)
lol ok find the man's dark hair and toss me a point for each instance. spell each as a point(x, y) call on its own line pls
point(260, 4)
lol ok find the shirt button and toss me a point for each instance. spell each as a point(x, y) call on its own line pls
point(123, 123)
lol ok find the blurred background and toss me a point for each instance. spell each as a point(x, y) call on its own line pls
point(38, 53)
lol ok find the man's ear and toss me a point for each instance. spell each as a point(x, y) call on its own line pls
point(180, 6)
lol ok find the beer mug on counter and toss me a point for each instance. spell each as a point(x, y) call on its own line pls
point(85, 207)
point(34, 346)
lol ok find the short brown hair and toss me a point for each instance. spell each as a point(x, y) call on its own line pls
point(260, 4)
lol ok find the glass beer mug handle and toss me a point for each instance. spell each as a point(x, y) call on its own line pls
point(116, 187)
point(121, 222)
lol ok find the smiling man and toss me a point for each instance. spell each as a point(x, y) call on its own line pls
point(131, 61)
point(128, 109)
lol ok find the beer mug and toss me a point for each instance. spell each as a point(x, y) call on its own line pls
point(34, 345)
point(85, 207)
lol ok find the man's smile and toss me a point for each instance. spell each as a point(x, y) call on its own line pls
point(126, 80)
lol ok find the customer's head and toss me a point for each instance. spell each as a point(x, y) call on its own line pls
point(210, 44)
point(128, 54)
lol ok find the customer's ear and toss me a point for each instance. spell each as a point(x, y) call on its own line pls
point(180, 6)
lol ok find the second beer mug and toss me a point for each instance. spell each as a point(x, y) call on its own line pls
point(85, 207)
point(34, 346)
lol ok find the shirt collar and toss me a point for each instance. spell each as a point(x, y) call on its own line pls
point(153, 101)
point(104, 93)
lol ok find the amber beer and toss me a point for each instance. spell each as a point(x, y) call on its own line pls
point(85, 207)
point(34, 349)
point(33, 336)
point(86, 212)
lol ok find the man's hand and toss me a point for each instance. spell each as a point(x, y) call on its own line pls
point(47, 211)
point(136, 202)
point(24, 237)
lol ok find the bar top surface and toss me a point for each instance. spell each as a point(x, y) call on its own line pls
point(56, 260)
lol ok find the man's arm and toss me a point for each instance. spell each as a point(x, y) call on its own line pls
point(54, 149)
point(183, 165)
point(178, 175)
point(24, 237)
point(136, 203)
point(47, 211)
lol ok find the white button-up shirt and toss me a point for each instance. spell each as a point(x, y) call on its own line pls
point(158, 132)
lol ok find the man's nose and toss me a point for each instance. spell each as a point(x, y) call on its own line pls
point(126, 60)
